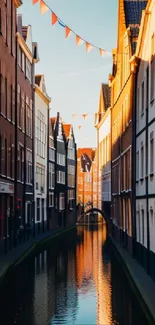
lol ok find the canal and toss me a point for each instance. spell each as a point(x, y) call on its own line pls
point(75, 280)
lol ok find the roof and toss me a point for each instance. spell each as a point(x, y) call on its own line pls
point(38, 80)
point(67, 128)
point(24, 32)
point(53, 119)
point(133, 13)
point(106, 95)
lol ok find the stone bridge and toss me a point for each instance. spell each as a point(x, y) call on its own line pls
point(102, 212)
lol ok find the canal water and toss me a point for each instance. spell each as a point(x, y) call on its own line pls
point(75, 280)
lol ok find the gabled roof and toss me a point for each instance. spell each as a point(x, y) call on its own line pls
point(67, 129)
point(133, 13)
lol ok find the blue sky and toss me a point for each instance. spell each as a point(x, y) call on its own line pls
point(72, 76)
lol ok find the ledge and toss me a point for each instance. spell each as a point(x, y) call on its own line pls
point(141, 283)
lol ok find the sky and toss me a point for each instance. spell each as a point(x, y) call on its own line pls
point(73, 76)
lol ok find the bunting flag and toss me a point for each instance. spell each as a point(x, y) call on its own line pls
point(43, 7)
point(79, 127)
point(54, 18)
point(73, 115)
point(84, 116)
point(68, 31)
point(79, 40)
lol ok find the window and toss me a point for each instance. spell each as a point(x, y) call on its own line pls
point(71, 153)
point(3, 96)
point(137, 165)
point(40, 177)
point(61, 159)
point(40, 134)
point(20, 163)
point(142, 226)
point(19, 56)
point(61, 201)
point(28, 117)
point(6, 96)
point(59, 129)
point(29, 166)
point(60, 177)
point(23, 112)
point(51, 199)
point(13, 104)
point(51, 142)
point(19, 107)
point(52, 154)
point(28, 70)
point(142, 94)
point(38, 209)
point(142, 160)
point(51, 176)
point(151, 152)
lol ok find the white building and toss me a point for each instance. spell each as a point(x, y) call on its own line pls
point(145, 140)
point(103, 126)
point(41, 148)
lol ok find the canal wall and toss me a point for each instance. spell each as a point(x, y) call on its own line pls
point(22, 252)
point(142, 285)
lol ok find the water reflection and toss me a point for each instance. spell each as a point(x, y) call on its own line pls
point(74, 281)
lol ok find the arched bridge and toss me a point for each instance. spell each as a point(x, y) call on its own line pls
point(91, 210)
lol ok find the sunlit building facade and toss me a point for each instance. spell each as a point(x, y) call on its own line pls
point(122, 82)
point(103, 155)
point(86, 176)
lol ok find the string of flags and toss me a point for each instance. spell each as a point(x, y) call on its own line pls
point(68, 31)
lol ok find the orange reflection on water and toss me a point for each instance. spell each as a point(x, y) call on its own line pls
point(90, 268)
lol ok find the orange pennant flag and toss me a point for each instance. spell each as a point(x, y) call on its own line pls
point(84, 116)
point(79, 127)
point(79, 40)
point(68, 31)
point(43, 7)
point(54, 18)
point(88, 47)
point(34, 1)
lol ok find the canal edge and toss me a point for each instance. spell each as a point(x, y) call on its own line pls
point(136, 285)
point(6, 270)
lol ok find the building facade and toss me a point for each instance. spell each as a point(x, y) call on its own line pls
point(51, 176)
point(60, 171)
point(24, 129)
point(42, 102)
point(85, 182)
point(103, 126)
point(7, 120)
point(145, 143)
point(71, 164)
point(122, 83)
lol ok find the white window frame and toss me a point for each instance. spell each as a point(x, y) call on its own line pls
point(51, 199)
point(61, 201)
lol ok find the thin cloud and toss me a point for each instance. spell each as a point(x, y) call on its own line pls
point(78, 73)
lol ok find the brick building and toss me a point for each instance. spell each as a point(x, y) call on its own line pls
point(27, 56)
point(7, 118)
point(86, 176)
point(122, 83)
